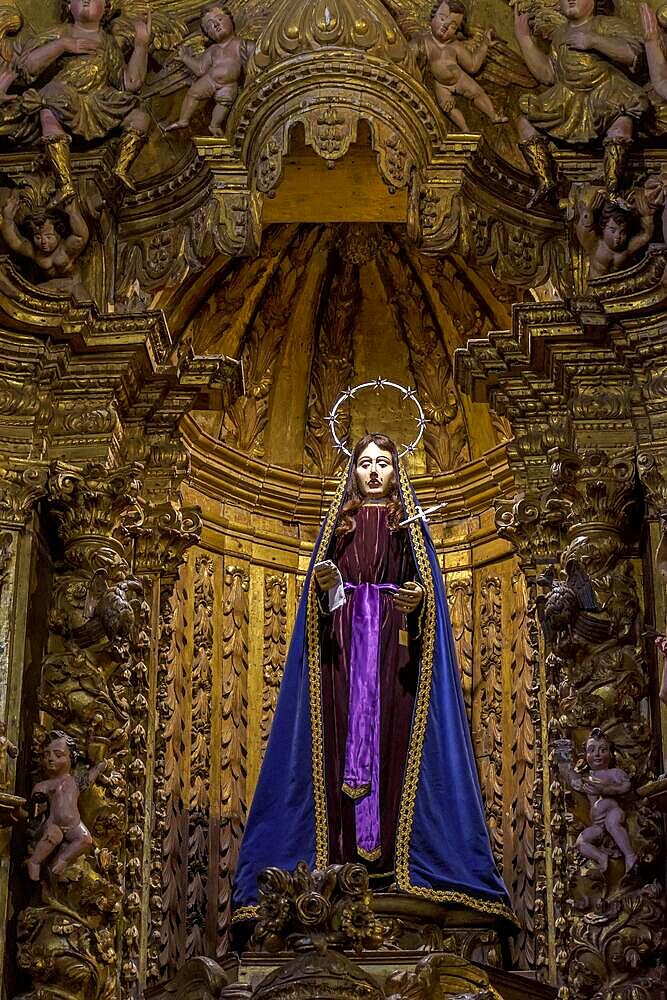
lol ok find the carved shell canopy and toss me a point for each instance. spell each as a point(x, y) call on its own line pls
point(306, 26)
point(327, 306)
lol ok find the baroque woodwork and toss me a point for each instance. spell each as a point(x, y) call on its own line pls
point(151, 561)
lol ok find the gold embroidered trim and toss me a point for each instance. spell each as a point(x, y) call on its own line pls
point(315, 681)
point(245, 913)
point(356, 793)
point(418, 733)
point(369, 855)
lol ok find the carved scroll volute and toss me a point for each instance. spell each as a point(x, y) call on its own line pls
point(94, 687)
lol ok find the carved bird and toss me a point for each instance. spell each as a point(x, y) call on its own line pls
point(570, 606)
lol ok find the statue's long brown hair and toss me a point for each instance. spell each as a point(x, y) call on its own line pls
point(353, 499)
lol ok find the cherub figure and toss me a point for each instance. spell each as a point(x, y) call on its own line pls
point(218, 70)
point(607, 235)
point(62, 830)
point(452, 58)
point(602, 787)
point(90, 90)
point(588, 97)
point(50, 247)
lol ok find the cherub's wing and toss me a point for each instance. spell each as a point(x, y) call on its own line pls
point(250, 16)
point(505, 68)
point(412, 16)
point(168, 30)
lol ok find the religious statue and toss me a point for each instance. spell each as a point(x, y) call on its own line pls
point(62, 829)
point(656, 58)
point(53, 249)
point(369, 759)
point(218, 70)
point(610, 235)
point(588, 96)
point(602, 786)
point(452, 58)
point(84, 88)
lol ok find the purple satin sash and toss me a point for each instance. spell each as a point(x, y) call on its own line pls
point(361, 778)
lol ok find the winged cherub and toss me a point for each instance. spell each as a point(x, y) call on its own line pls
point(588, 97)
point(89, 90)
point(218, 70)
point(452, 58)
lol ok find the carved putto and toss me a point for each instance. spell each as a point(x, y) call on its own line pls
point(603, 786)
point(612, 237)
point(454, 59)
point(218, 70)
point(62, 830)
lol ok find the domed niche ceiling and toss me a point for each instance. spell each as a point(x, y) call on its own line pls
point(328, 306)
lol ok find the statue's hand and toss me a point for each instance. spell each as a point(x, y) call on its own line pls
point(522, 26)
point(326, 574)
point(581, 39)
point(409, 597)
point(143, 31)
point(80, 46)
point(649, 22)
point(11, 207)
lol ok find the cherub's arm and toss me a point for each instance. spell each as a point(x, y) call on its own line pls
point(199, 65)
point(80, 234)
point(615, 783)
point(538, 62)
point(585, 227)
point(646, 227)
point(137, 67)
point(470, 57)
point(657, 64)
point(10, 233)
point(38, 59)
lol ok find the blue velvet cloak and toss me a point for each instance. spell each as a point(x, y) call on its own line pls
point(442, 850)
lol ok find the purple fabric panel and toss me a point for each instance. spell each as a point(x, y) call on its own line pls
point(362, 751)
point(370, 555)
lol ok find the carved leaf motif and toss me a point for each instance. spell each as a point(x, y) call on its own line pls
point(490, 709)
point(275, 647)
point(236, 616)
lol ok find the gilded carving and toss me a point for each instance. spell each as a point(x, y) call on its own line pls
point(589, 96)
point(489, 710)
point(459, 598)
point(275, 647)
point(235, 727)
point(199, 794)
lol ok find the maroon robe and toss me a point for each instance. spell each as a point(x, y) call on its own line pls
point(371, 554)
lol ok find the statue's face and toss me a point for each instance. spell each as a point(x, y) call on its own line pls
point(441, 22)
point(87, 11)
point(217, 25)
point(598, 754)
point(574, 10)
point(56, 758)
point(375, 472)
point(615, 234)
point(46, 239)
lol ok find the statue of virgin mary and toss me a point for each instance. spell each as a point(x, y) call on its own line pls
point(369, 757)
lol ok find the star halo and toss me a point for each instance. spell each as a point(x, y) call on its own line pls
point(378, 384)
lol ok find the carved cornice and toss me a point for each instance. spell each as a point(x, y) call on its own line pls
point(227, 475)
